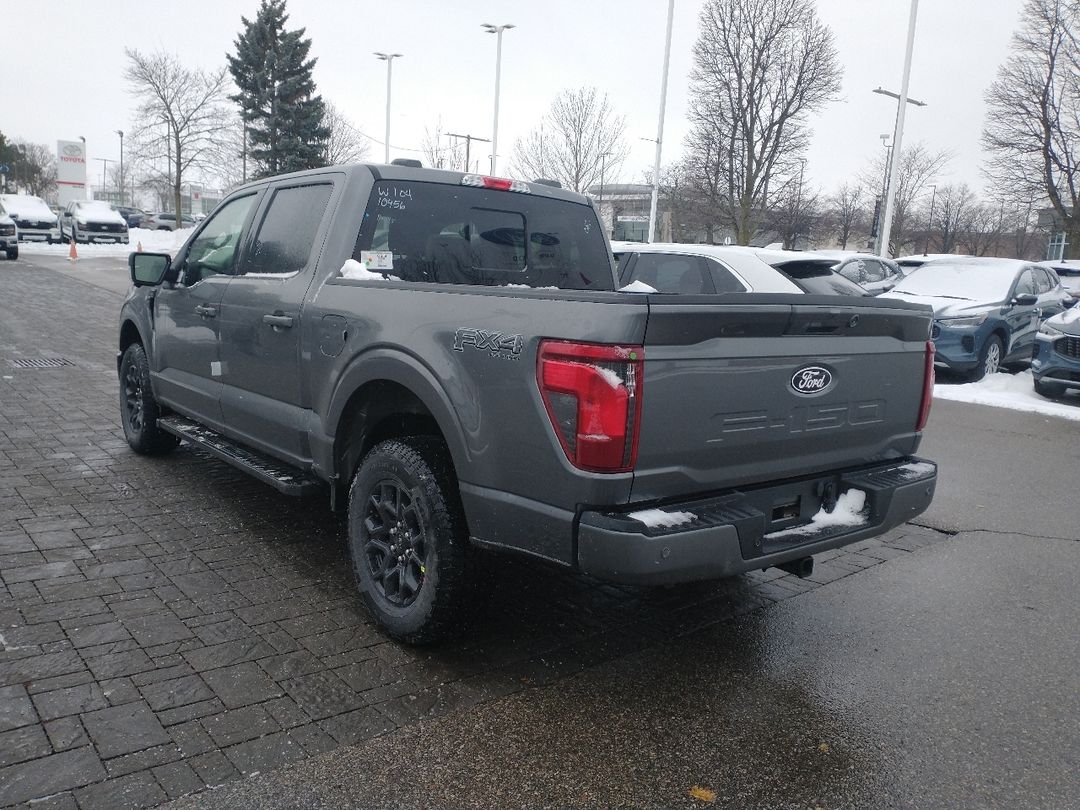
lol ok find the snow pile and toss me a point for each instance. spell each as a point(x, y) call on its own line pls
point(637, 287)
point(848, 512)
point(352, 269)
point(916, 469)
point(654, 518)
point(1016, 391)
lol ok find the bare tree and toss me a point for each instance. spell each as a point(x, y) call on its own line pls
point(580, 138)
point(345, 144)
point(760, 68)
point(918, 166)
point(954, 206)
point(986, 230)
point(1032, 129)
point(846, 210)
point(796, 216)
point(180, 117)
point(441, 150)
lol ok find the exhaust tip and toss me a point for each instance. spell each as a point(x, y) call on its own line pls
point(802, 567)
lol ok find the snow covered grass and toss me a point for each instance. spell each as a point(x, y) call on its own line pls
point(152, 242)
point(1016, 391)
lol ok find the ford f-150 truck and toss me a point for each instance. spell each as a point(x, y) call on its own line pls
point(448, 356)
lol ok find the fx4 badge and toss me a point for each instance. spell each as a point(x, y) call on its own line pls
point(497, 343)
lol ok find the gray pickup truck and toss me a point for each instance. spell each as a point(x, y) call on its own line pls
point(447, 355)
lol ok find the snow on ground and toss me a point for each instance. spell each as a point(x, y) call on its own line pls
point(1016, 391)
point(152, 242)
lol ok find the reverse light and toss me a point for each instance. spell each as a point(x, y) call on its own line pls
point(496, 183)
point(928, 388)
point(592, 393)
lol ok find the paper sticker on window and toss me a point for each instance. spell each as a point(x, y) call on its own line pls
point(377, 259)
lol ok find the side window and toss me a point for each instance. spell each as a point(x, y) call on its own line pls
point(287, 233)
point(673, 273)
point(723, 279)
point(1026, 284)
point(1048, 282)
point(214, 249)
point(851, 272)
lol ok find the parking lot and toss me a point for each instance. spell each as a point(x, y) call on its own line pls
point(170, 625)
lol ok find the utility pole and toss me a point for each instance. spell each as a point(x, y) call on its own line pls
point(120, 184)
point(930, 223)
point(468, 145)
point(660, 123)
point(104, 171)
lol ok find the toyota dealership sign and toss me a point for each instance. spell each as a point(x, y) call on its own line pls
point(70, 171)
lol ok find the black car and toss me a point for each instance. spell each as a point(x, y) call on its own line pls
point(133, 216)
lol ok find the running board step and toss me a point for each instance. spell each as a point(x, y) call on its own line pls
point(281, 476)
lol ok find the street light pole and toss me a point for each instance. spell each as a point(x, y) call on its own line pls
point(389, 59)
point(898, 135)
point(120, 132)
point(660, 123)
point(497, 30)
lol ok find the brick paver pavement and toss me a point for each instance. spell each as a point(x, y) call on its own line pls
point(170, 624)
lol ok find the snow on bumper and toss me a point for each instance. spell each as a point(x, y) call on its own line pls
point(754, 528)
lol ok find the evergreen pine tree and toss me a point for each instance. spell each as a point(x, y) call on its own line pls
point(276, 93)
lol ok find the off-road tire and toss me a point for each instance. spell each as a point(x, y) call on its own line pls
point(139, 411)
point(429, 546)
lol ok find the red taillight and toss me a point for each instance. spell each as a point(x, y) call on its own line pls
point(592, 393)
point(496, 183)
point(928, 387)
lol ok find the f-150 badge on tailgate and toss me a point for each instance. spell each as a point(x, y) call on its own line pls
point(811, 380)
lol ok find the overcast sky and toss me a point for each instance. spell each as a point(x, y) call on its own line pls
point(66, 79)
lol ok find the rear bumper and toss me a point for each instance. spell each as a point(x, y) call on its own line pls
point(736, 532)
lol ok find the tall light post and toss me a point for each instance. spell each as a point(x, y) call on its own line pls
point(660, 123)
point(389, 59)
point(898, 135)
point(86, 184)
point(930, 222)
point(120, 132)
point(879, 211)
point(497, 30)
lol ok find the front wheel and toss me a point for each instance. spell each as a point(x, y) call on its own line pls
point(990, 359)
point(139, 410)
point(12, 253)
point(408, 541)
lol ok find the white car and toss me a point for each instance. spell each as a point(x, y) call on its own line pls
point(93, 221)
point(9, 237)
point(34, 218)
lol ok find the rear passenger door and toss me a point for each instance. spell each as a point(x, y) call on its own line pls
point(263, 399)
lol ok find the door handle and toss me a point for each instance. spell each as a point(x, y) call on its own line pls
point(278, 321)
point(205, 311)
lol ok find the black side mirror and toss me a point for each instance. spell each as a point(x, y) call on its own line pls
point(1026, 300)
point(148, 269)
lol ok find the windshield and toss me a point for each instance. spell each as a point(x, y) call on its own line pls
point(818, 278)
point(96, 207)
point(973, 282)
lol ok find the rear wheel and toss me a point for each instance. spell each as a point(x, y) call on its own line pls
point(139, 411)
point(1051, 390)
point(990, 359)
point(408, 541)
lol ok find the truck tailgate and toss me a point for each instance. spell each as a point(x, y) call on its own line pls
point(720, 407)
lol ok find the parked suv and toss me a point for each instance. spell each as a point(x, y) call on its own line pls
point(447, 354)
point(986, 311)
point(93, 221)
point(9, 237)
point(133, 216)
point(33, 217)
point(166, 222)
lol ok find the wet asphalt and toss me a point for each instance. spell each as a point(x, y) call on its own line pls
point(949, 677)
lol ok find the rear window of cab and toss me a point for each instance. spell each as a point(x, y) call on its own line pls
point(447, 234)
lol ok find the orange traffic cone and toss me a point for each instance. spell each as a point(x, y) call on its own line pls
point(138, 246)
point(73, 254)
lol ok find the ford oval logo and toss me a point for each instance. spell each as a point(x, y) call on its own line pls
point(811, 380)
